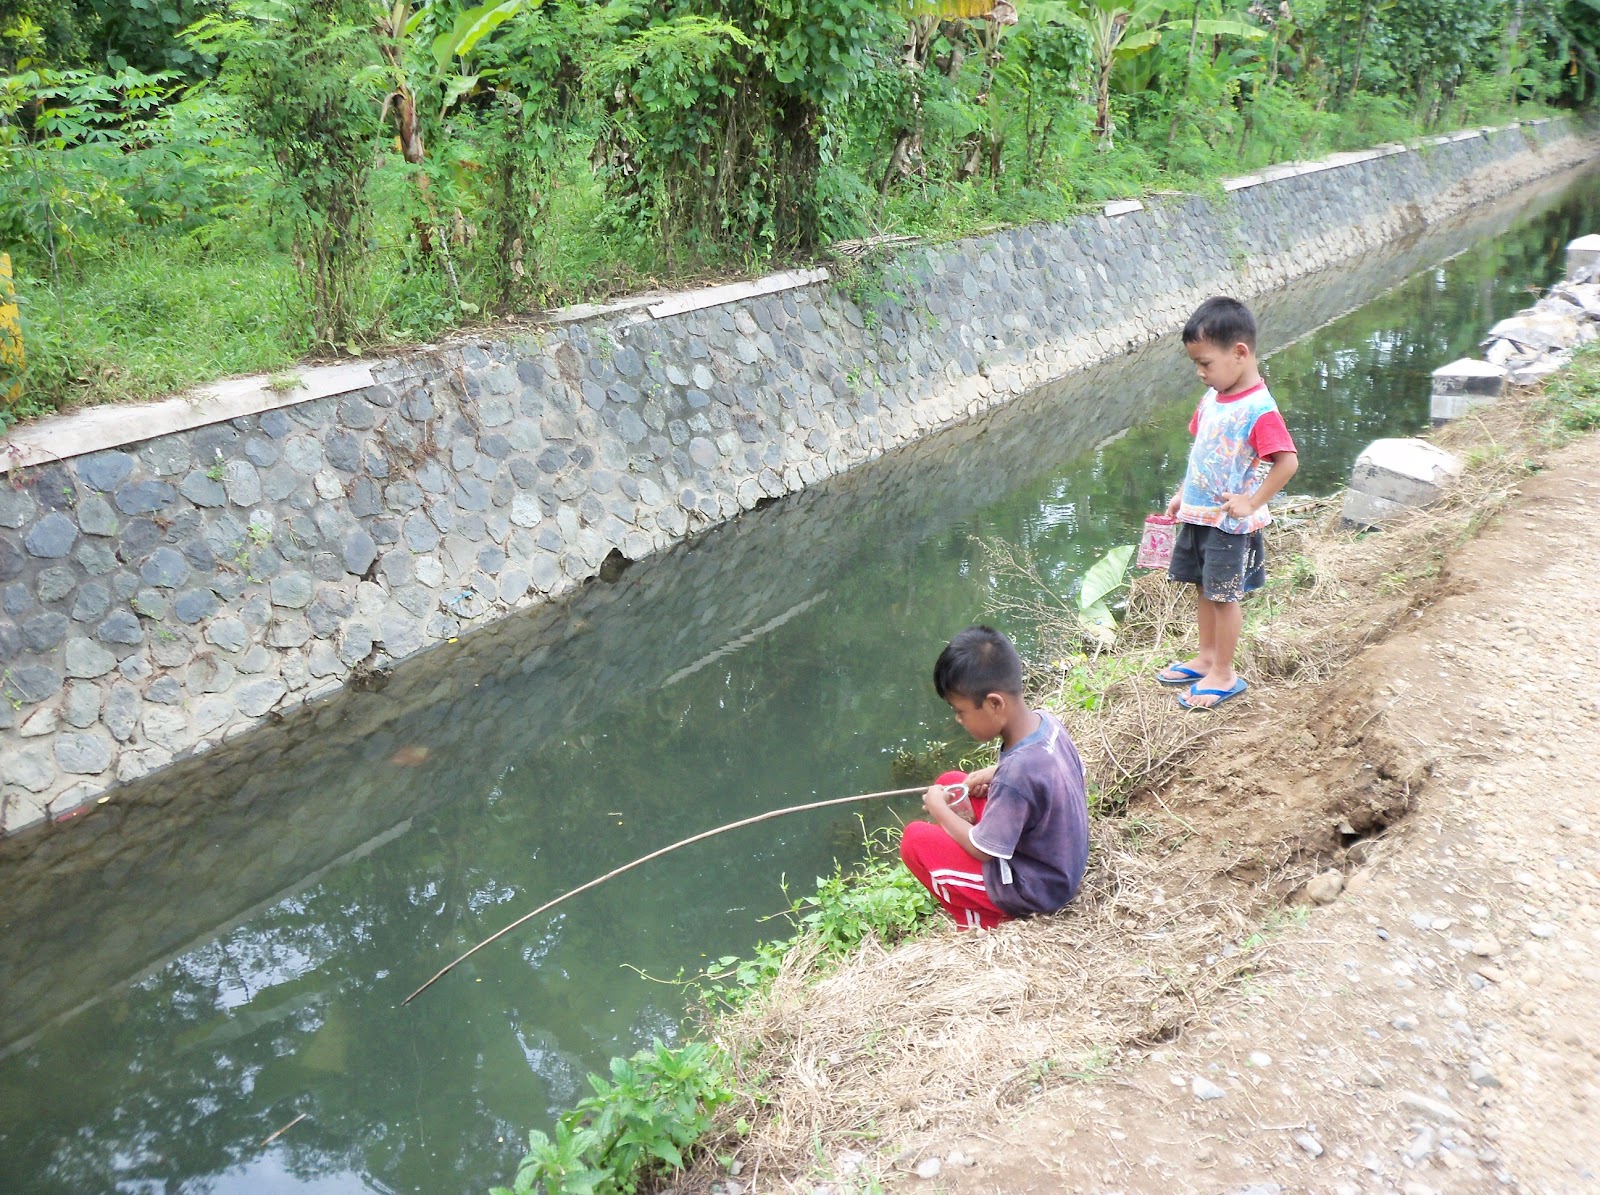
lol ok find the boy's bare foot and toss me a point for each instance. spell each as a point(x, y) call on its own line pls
point(1210, 692)
point(1183, 675)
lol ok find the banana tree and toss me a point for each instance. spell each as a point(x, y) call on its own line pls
point(1120, 31)
point(923, 19)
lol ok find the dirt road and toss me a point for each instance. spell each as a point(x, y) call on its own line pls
point(1435, 1027)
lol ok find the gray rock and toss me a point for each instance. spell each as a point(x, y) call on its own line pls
point(16, 507)
point(144, 497)
point(26, 769)
point(30, 683)
point(12, 561)
point(355, 644)
point(93, 600)
point(210, 673)
point(359, 553)
point(193, 605)
point(343, 451)
point(328, 610)
point(16, 599)
point(292, 590)
point(44, 632)
point(165, 569)
point(288, 630)
point(420, 534)
point(97, 559)
point(257, 697)
point(203, 490)
point(51, 537)
point(104, 471)
point(95, 516)
point(82, 705)
point(260, 451)
point(242, 483)
point(257, 660)
point(164, 690)
point(1205, 1089)
point(228, 633)
point(152, 604)
point(166, 727)
point(121, 627)
point(86, 660)
point(121, 711)
point(276, 424)
point(1434, 1110)
point(83, 754)
point(1481, 1075)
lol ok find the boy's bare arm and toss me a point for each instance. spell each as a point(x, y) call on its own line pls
point(1242, 506)
point(938, 808)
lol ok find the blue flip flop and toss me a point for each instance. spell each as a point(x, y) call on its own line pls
point(1221, 695)
point(1185, 681)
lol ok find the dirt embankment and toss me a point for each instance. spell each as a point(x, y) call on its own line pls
point(1197, 1022)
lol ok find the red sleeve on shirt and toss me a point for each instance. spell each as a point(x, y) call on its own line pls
point(1270, 436)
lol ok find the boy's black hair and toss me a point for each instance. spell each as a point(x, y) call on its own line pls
point(977, 662)
point(1221, 321)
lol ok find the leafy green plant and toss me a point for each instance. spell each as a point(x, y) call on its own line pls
point(638, 1123)
point(1100, 581)
point(879, 898)
point(308, 81)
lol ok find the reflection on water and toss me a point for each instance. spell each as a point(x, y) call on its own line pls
point(225, 946)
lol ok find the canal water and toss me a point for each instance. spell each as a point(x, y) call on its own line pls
point(226, 948)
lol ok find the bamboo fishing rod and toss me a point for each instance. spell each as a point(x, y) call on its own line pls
point(666, 850)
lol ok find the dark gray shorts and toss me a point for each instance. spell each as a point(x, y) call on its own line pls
point(1226, 567)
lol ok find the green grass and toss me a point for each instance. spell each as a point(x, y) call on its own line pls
point(153, 312)
point(153, 315)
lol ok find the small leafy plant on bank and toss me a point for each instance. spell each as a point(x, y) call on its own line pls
point(658, 1106)
point(637, 1124)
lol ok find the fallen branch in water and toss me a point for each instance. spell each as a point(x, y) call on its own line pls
point(749, 821)
point(271, 1137)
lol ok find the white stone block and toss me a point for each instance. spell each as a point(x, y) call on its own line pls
point(1583, 257)
point(1395, 475)
point(1464, 384)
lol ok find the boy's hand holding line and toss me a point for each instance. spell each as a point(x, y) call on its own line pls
point(936, 801)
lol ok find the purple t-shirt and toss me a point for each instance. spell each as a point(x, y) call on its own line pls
point(1036, 823)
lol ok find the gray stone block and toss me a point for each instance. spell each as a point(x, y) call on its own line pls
point(165, 569)
point(83, 753)
point(1394, 475)
point(144, 497)
point(95, 516)
point(52, 537)
point(1583, 257)
point(121, 627)
point(85, 659)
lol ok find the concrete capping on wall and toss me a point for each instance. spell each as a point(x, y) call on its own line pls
point(173, 575)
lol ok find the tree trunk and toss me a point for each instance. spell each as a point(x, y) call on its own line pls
point(1188, 70)
point(1361, 41)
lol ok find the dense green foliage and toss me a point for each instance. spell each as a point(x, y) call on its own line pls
point(420, 165)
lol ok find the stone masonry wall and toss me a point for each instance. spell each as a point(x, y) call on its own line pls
point(157, 597)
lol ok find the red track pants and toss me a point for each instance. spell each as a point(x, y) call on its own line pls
point(945, 869)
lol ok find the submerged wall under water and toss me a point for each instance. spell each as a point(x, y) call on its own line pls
point(174, 576)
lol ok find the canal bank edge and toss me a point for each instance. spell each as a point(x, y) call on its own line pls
point(164, 590)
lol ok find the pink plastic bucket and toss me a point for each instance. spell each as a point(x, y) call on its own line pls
point(1155, 545)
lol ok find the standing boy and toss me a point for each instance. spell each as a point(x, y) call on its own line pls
point(1025, 848)
point(1222, 506)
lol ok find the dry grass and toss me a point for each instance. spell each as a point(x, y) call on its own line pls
point(859, 1069)
point(965, 1028)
